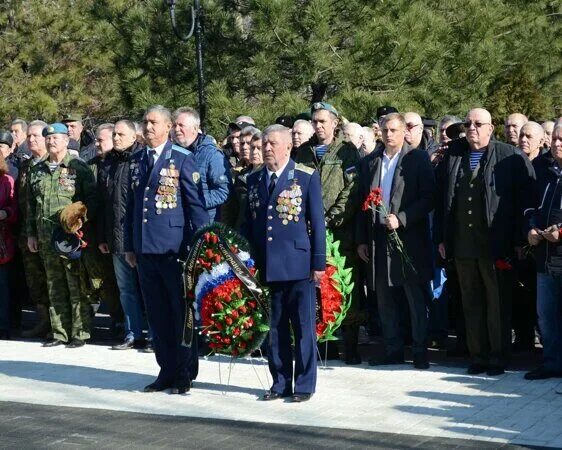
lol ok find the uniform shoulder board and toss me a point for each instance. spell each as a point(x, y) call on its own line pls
point(182, 150)
point(350, 170)
point(305, 169)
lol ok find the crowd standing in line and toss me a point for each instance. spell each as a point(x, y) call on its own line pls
point(105, 216)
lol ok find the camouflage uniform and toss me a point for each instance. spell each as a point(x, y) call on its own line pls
point(33, 264)
point(337, 170)
point(49, 193)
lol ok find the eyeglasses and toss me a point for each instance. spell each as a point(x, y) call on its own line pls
point(411, 126)
point(467, 124)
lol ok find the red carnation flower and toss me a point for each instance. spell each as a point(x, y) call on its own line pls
point(502, 264)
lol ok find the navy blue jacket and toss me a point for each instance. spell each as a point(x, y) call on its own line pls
point(152, 230)
point(214, 169)
point(284, 250)
point(546, 211)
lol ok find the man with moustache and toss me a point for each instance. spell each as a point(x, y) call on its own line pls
point(164, 209)
point(55, 183)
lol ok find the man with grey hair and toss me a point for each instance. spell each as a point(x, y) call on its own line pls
point(369, 141)
point(548, 128)
point(353, 132)
point(211, 163)
point(512, 127)
point(301, 132)
point(34, 269)
point(531, 139)
point(285, 225)
point(165, 207)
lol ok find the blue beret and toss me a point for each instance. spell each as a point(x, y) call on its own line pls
point(65, 244)
point(322, 105)
point(55, 128)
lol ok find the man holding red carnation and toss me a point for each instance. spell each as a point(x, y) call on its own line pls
point(397, 188)
point(290, 259)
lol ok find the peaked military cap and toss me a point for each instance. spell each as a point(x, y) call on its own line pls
point(71, 118)
point(385, 111)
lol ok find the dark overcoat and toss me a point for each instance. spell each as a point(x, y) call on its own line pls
point(508, 192)
point(412, 199)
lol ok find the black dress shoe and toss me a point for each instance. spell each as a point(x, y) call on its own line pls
point(494, 371)
point(182, 387)
point(299, 398)
point(420, 362)
point(353, 360)
point(157, 386)
point(272, 396)
point(76, 343)
point(387, 360)
point(149, 348)
point(541, 373)
point(140, 344)
point(53, 343)
point(128, 344)
point(475, 369)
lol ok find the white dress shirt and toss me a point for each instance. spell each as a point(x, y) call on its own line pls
point(158, 151)
point(277, 172)
point(387, 174)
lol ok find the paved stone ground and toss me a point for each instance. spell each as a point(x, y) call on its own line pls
point(33, 426)
point(442, 402)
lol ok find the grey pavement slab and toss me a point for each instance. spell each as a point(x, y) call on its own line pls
point(442, 402)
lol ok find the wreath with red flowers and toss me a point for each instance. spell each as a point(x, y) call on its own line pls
point(333, 299)
point(231, 307)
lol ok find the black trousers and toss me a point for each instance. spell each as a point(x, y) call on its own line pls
point(486, 300)
point(417, 296)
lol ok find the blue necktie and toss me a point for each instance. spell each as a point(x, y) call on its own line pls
point(271, 187)
point(151, 154)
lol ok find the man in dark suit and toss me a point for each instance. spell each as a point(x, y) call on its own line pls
point(405, 176)
point(286, 227)
point(483, 188)
point(164, 209)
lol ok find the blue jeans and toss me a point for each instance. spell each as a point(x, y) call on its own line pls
point(5, 297)
point(549, 308)
point(130, 296)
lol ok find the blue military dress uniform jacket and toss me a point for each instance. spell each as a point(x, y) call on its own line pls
point(165, 207)
point(278, 225)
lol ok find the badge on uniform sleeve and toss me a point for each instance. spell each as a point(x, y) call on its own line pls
point(196, 177)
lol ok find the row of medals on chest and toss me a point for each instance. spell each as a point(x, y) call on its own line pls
point(67, 179)
point(288, 203)
point(167, 192)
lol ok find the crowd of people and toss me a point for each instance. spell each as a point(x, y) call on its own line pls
point(444, 225)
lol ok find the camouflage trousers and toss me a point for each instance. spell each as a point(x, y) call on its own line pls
point(35, 275)
point(98, 282)
point(68, 311)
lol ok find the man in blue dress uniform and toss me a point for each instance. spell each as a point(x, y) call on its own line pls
point(285, 225)
point(164, 209)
